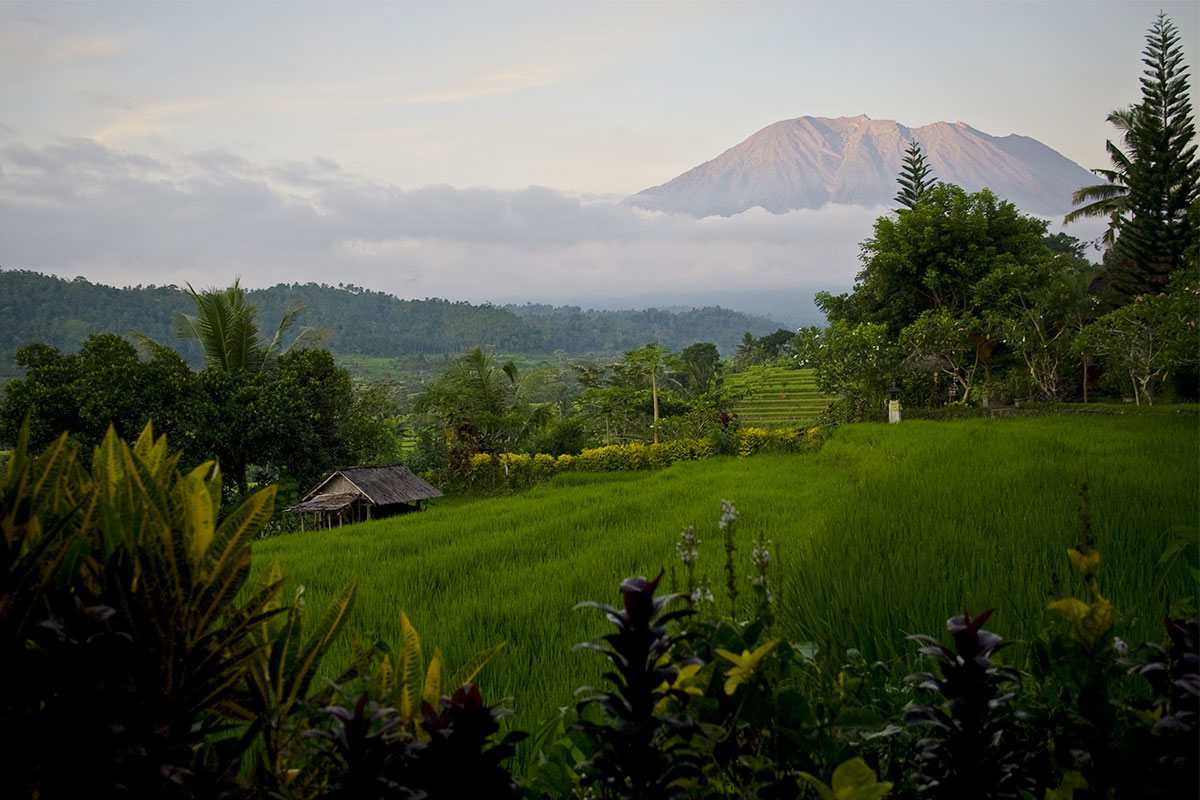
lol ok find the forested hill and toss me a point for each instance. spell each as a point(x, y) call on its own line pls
point(62, 313)
point(577, 331)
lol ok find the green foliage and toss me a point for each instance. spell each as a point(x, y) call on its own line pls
point(915, 177)
point(1110, 199)
point(105, 384)
point(650, 361)
point(482, 407)
point(700, 368)
point(953, 346)
point(1164, 174)
point(640, 752)
point(1036, 308)
point(856, 361)
point(143, 651)
point(134, 544)
point(974, 747)
point(1146, 339)
point(488, 473)
point(359, 322)
point(931, 257)
point(226, 325)
point(300, 417)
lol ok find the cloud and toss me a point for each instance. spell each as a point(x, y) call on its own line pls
point(80, 207)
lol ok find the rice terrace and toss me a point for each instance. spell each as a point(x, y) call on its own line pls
point(857, 460)
point(886, 531)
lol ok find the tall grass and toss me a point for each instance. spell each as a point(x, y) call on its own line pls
point(888, 530)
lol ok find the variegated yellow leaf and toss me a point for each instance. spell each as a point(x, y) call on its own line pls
point(433, 679)
point(410, 669)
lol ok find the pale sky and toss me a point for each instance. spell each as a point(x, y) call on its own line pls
point(393, 145)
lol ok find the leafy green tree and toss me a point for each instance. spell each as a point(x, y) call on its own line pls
point(1164, 179)
point(749, 352)
point(857, 362)
point(1036, 308)
point(105, 383)
point(930, 257)
point(956, 346)
point(481, 407)
point(1147, 338)
point(915, 177)
point(700, 368)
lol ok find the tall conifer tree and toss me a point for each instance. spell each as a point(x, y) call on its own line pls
point(1164, 175)
point(915, 177)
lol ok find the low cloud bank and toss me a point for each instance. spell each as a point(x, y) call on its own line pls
point(80, 208)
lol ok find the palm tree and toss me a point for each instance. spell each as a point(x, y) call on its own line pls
point(650, 360)
point(1111, 199)
point(226, 325)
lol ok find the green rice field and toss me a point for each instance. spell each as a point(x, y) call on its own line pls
point(888, 530)
point(777, 396)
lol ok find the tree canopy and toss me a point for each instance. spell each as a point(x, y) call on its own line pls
point(931, 256)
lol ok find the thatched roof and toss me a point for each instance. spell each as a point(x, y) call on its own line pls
point(324, 502)
point(381, 485)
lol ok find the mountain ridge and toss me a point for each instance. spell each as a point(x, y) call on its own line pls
point(62, 313)
point(809, 162)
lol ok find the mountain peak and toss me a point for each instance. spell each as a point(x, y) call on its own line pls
point(809, 162)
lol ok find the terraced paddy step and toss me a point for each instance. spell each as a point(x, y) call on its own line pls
point(777, 396)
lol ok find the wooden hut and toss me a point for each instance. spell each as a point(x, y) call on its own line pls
point(358, 494)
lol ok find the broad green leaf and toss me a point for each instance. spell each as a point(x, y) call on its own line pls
point(231, 541)
point(107, 459)
point(1071, 781)
point(467, 672)
point(852, 780)
point(823, 791)
point(317, 644)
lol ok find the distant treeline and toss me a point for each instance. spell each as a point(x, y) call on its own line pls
point(62, 313)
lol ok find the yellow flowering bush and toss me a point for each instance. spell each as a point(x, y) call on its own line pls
point(544, 466)
point(751, 440)
point(513, 470)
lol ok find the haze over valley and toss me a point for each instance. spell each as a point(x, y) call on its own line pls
point(504, 156)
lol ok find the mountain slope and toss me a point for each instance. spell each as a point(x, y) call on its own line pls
point(810, 162)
